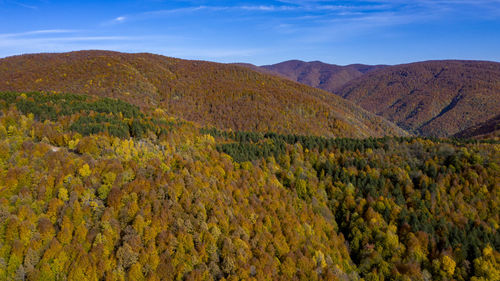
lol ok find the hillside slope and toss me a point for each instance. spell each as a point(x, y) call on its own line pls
point(434, 98)
point(221, 95)
point(329, 77)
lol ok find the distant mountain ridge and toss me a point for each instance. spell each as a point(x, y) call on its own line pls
point(329, 77)
point(433, 98)
point(210, 94)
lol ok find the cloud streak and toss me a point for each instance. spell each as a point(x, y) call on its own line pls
point(201, 8)
point(36, 32)
point(56, 39)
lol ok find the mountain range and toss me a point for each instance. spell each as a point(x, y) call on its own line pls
point(433, 98)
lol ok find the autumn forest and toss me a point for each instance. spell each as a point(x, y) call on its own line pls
point(141, 167)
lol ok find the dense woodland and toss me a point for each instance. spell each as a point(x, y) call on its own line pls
point(95, 189)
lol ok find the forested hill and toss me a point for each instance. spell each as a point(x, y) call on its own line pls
point(220, 95)
point(95, 188)
point(434, 98)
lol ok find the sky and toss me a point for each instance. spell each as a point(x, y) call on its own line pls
point(259, 32)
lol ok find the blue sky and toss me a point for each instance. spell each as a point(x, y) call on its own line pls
point(259, 32)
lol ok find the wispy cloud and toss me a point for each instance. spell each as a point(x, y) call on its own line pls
point(328, 20)
point(27, 43)
point(166, 12)
point(54, 37)
point(314, 21)
point(264, 8)
point(19, 45)
point(116, 20)
point(120, 19)
point(36, 32)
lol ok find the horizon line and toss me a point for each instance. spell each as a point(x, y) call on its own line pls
point(244, 62)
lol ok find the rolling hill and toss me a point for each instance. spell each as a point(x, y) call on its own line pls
point(211, 94)
point(433, 98)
